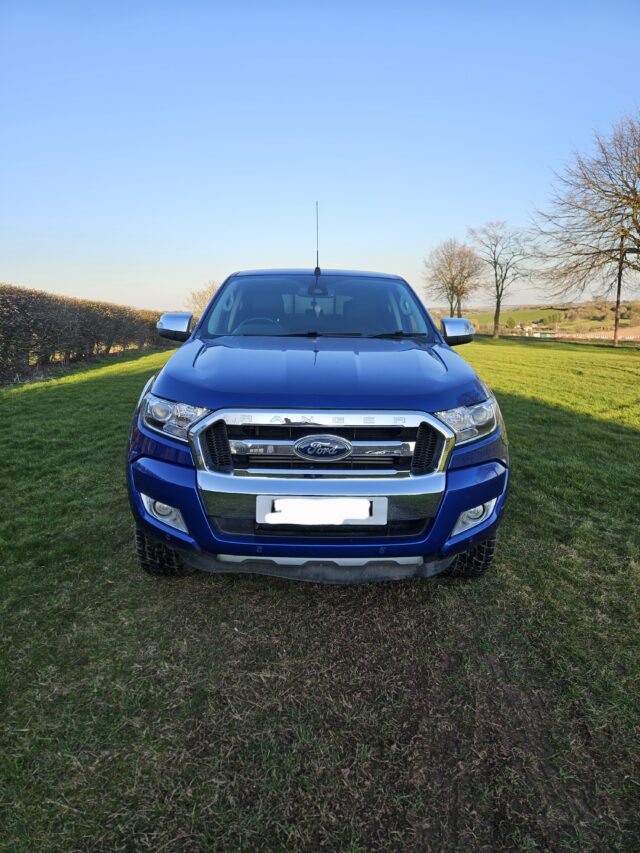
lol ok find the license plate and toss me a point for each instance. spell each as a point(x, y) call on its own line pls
point(271, 509)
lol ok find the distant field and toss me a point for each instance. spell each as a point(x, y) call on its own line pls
point(520, 315)
point(582, 318)
point(239, 713)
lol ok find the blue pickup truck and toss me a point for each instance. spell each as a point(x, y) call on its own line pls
point(317, 425)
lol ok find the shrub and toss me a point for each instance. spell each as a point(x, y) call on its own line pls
point(38, 329)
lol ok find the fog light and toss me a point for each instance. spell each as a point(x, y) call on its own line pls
point(472, 514)
point(161, 509)
point(472, 517)
point(165, 513)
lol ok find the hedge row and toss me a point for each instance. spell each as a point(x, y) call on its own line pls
point(38, 329)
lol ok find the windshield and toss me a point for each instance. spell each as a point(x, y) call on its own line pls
point(288, 304)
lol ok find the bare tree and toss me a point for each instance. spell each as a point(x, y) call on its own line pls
point(505, 251)
point(452, 272)
point(198, 299)
point(591, 234)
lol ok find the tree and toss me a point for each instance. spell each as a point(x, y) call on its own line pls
point(591, 234)
point(198, 299)
point(505, 252)
point(452, 272)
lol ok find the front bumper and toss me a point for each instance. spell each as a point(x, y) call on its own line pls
point(476, 474)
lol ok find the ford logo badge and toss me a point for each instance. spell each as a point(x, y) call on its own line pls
point(329, 448)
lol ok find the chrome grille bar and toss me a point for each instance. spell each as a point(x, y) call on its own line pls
point(280, 448)
point(328, 418)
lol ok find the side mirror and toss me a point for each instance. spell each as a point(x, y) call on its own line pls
point(456, 330)
point(176, 326)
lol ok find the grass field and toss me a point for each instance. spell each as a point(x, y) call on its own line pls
point(233, 713)
point(519, 315)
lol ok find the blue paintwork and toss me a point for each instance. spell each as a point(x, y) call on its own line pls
point(485, 450)
point(144, 442)
point(307, 373)
point(326, 373)
point(307, 271)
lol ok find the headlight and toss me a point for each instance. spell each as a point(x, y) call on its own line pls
point(169, 417)
point(471, 422)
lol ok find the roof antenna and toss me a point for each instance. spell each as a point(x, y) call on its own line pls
point(317, 269)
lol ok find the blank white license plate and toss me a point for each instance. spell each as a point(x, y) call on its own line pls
point(271, 509)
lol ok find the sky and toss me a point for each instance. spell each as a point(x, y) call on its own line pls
point(149, 147)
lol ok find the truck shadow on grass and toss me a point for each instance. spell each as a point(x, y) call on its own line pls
point(493, 714)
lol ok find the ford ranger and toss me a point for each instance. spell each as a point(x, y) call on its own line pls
point(317, 425)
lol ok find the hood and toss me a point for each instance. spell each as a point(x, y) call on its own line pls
point(321, 373)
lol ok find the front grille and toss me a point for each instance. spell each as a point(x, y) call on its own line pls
point(419, 448)
point(428, 449)
point(232, 526)
point(216, 447)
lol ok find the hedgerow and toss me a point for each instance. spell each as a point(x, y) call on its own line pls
point(38, 329)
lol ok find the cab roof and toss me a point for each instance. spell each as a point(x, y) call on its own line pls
point(311, 271)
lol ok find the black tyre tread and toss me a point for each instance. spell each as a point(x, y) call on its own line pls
point(156, 559)
point(474, 562)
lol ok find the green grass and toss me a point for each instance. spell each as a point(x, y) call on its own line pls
point(232, 713)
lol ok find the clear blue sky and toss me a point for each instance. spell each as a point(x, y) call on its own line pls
point(148, 147)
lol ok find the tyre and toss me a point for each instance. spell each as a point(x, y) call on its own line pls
point(474, 562)
point(156, 559)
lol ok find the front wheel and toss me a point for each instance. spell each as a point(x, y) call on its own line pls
point(156, 559)
point(474, 562)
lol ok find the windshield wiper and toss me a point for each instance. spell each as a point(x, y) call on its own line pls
point(398, 334)
point(312, 334)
